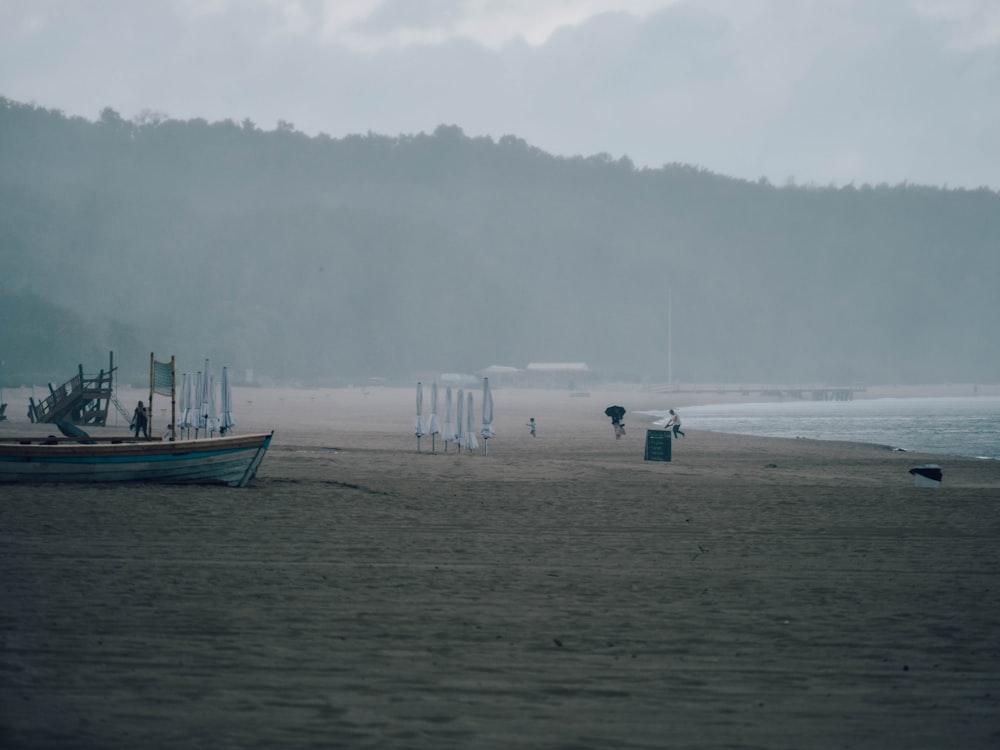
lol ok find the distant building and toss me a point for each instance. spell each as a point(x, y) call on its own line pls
point(572, 375)
point(458, 379)
point(501, 374)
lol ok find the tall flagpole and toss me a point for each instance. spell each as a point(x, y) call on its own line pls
point(670, 336)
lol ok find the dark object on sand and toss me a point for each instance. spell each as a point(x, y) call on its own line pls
point(70, 430)
point(928, 475)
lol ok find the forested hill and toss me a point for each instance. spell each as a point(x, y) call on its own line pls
point(330, 260)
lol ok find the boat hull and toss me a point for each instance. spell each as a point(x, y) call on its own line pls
point(230, 461)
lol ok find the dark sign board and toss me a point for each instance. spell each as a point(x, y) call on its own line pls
point(657, 445)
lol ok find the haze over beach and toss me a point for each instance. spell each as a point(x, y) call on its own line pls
point(755, 192)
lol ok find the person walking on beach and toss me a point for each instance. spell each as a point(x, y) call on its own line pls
point(675, 423)
point(140, 420)
point(531, 426)
point(616, 413)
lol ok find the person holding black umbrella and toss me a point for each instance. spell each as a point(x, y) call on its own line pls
point(616, 413)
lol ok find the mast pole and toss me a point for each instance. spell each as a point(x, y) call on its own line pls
point(149, 406)
point(173, 398)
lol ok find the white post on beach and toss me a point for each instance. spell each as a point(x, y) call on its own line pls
point(418, 427)
point(460, 407)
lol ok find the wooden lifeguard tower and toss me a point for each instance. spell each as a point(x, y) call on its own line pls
point(84, 399)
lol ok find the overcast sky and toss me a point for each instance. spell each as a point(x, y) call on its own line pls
point(816, 91)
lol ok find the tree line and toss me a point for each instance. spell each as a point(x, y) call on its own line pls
point(327, 260)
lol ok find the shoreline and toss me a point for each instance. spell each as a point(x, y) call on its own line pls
point(379, 421)
point(961, 423)
point(260, 409)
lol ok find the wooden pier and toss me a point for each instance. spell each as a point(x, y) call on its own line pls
point(83, 399)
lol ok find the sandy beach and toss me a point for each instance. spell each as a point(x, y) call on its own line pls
point(560, 592)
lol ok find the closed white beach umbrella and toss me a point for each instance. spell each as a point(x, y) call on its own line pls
point(432, 428)
point(182, 402)
point(449, 424)
point(196, 412)
point(487, 430)
point(226, 423)
point(470, 426)
point(418, 426)
point(203, 400)
point(188, 421)
point(212, 420)
point(459, 424)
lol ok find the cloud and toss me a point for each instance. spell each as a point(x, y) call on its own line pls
point(971, 24)
point(368, 26)
point(826, 90)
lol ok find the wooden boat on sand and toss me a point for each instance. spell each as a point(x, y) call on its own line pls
point(230, 460)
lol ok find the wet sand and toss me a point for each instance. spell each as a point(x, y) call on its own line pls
point(560, 592)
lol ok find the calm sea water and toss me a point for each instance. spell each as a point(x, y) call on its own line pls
point(946, 426)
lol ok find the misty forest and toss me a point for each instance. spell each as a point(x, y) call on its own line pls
point(315, 260)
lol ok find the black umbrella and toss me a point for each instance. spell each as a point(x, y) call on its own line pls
point(616, 413)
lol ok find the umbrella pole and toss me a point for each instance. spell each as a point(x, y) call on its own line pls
point(433, 441)
point(418, 443)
